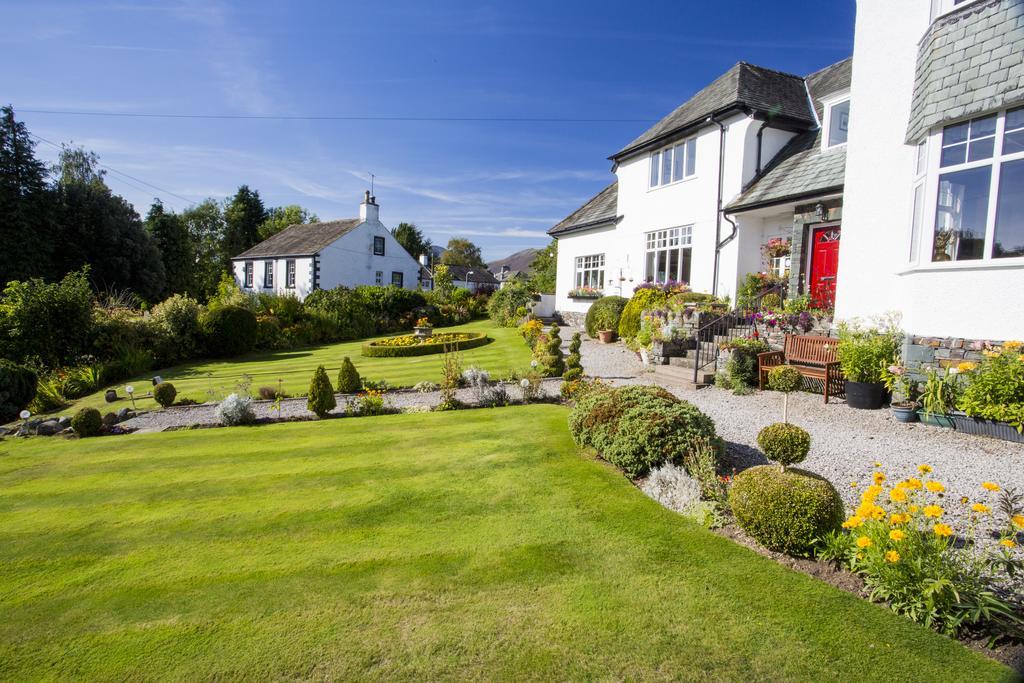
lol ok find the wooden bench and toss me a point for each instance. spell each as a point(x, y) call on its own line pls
point(813, 356)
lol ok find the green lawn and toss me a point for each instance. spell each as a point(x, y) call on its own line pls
point(474, 544)
point(211, 380)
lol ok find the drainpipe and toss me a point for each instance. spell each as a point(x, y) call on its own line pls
point(760, 130)
point(718, 211)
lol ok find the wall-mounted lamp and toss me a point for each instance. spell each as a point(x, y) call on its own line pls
point(819, 211)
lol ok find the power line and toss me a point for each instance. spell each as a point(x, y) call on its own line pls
point(335, 117)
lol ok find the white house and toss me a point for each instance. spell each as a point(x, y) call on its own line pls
point(756, 154)
point(349, 252)
point(934, 196)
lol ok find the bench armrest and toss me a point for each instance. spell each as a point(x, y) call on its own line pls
point(771, 358)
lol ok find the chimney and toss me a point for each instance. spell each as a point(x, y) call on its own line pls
point(424, 260)
point(368, 210)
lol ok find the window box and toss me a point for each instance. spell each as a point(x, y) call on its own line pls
point(585, 293)
point(963, 422)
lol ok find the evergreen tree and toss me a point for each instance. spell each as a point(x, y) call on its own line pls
point(243, 215)
point(321, 393)
point(26, 226)
point(573, 366)
point(549, 354)
point(349, 380)
point(172, 239)
point(412, 240)
point(204, 223)
point(543, 269)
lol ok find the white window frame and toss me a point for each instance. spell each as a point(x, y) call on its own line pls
point(589, 269)
point(290, 269)
point(918, 202)
point(927, 244)
point(826, 123)
point(685, 150)
point(941, 7)
point(679, 238)
point(379, 278)
point(268, 274)
point(248, 276)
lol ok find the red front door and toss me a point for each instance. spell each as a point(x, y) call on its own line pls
point(824, 266)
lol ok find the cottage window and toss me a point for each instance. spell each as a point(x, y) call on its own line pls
point(917, 217)
point(669, 255)
point(248, 273)
point(378, 246)
point(289, 274)
point(268, 274)
point(674, 163)
point(590, 271)
point(397, 278)
point(979, 205)
point(838, 123)
point(379, 278)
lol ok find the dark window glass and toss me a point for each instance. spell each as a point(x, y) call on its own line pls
point(981, 149)
point(289, 278)
point(378, 246)
point(954, 134)
point(1013, 138)
point(248, 273)
point(960, 215)
point(397, 278)
point(957, 154)
point(983, 126)
point(268, 274)
point(1009, 239)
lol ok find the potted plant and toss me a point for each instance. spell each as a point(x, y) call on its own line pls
point(605, 321)
point(423, 328)
point(864, 355)
point(992, 402)
point(937, 398)
point(900, 386)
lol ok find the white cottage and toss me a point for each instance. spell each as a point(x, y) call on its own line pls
point(348, 252)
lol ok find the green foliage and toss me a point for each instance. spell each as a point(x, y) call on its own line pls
point(548, 354)
point(866, 352)
point(438, 344)
point(50, 322)
point(785, 511)
point(321, 393)
point(742, 364)
point(178, 315)
point(573, 364)
point(462, 252)
point(228, 331)
point(771, 302)
point(27, 230)
point(784, 378)
point(543, 269)
point(287, 308)
point(940, 392)
point(643, 299)
point(87, 422)
point(205, 225)
point(506, 301)
point(165, 393)
point(349, 381)
point(444, 287)
point(172, 240)
point(753, 284)
point(244, 213)
point(412, 239)
point(995, 389)
point(17, 389)
point(784, 443)
point(604, 314)
point(280, 217)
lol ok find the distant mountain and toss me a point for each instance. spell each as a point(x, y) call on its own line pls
point(518, 264)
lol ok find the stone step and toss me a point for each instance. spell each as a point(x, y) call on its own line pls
point(671, 374)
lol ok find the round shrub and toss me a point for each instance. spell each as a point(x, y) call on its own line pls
point(604, 314)
point(410, 345)
point(164, 393)
point(784, 378)
point(506, 302)
point(236, 410)
point(17, 389)
point(87, 422)
point(643, 299)
point(786, 510)
point(229, 331)
point(771, 302)
point(321, 393)
point(179, 315)
point(784, 443)
point(595, 417)
point(349, 381)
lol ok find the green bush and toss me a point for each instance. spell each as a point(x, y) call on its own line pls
point(164, 393)
point(604, 314)
point(87, 422)
point(785, 511)
point(286, 308)
point(179, 316)
point(349, 381)
point(471, 340)
point(549, 354)
point(784, 378)
point(573, 363)
point(505, 302)
point(771, 302)
point(995, 389)
point(18, 386)
point(742, 364)
point(229, 331)
point(643, 299)
point(321, 393)
point(784, 443)
point(866, 352)
point(346, 308)
point(50, 322)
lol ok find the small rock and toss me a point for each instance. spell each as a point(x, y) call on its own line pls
point(123, 414)
point(64, 422)
point(48, 428)
point(66, 431)
point(109, 420)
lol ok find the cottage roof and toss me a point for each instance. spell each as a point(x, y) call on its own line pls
point(301, 240)
point(599, 209)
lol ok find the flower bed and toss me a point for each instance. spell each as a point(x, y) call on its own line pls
point(585, 293)
point(411, 345)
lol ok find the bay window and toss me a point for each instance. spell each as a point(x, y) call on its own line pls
point(668, 255)
point(674, 163)
point(590, 271)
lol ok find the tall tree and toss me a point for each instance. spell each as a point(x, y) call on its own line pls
point(243, 215)
point(280, 217)
point(205, 225)
point(412, 239)
point(26, 226)
point(172, 239)
point(462, 252)
point(543, 267)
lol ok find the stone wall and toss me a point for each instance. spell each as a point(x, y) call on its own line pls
point(923, 353)
point(572, 319)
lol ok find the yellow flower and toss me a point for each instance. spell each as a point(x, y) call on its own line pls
point(853, 484)
point(932, 511)
point(1012, 345)
point(912, 484)
point(897, 535)
point(877, 512)
point(878, 477)
point(1018, 521)
point(853, 522)
point(935, 487)
point(913, 509)
point(863, 542)
point(966, 366)
point(924, 469)
point(990, 486)
point(1008, 542)
point(892, 556)
point(964, 500)
point(898, 495)
point(898, 518)
point(980, 508)
point(941, 529)
point(878, 464)
point(871, 492)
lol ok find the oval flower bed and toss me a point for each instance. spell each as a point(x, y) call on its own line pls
point(411, 345)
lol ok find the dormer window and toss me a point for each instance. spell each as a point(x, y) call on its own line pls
point(837, 122)
point(674, 163)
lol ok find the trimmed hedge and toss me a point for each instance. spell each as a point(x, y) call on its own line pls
point(643, 299)
point(87, 422)
point(605, 311)
point(164, 393)
point(784, 443)
point(229, 331)
point(375, 350)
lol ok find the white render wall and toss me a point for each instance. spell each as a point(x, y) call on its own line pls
point(977, 300)
point(303, 276)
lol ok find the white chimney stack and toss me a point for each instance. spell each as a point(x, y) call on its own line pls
point(368, 210)
point(424, 260)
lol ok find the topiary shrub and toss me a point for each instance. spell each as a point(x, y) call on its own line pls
point(771, 302)
point(321, 393)
point(573, 365)
point(784, 443)
point(87, 422)
point(786, 510)
point(785, 378)
point(349, 381)
point(549, 354)
point(604, 314)
point(18, 386)
point(643, 299)
point(164, 393)
point(229, 331)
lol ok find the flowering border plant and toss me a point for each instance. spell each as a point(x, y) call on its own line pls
point(586, 293)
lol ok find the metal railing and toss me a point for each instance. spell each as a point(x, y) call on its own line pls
point(719, 330)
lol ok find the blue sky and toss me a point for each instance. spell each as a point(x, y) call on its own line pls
point(502, 184)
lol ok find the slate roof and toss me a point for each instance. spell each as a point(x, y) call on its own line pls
point(480, 275)
point(600, 209)
point(970, 61)
point(772, 92)
point(801, 168)
point(518, 263)
point(301, 240)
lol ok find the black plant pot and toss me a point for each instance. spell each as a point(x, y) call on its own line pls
point(865, 395)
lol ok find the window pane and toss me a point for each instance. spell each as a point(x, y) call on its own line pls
point(677, 163)
point(921, 158)
point(655, 161)
point(650, 266)
point(1013, 142)
point(983, 126)
point(1015, 118)
point(960, 215)
point(839, 123)
point(915, 226)
point(684, 275)
point(673, 264)
point(981, 149)
point(666, 166)
point(951, 156)
point(662, 263)
point(953, 134)
point(691, 156)
point(1009, 240)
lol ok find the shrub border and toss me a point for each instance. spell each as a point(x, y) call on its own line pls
point(371, 350)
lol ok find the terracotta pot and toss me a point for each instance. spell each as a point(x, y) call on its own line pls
point(606, 336)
